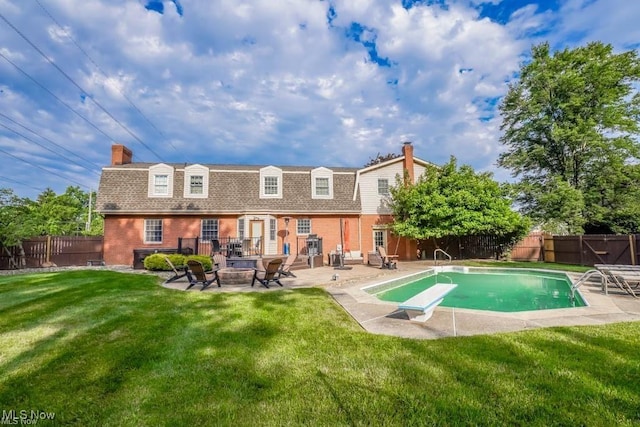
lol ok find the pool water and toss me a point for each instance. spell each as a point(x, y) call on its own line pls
point(511, 291)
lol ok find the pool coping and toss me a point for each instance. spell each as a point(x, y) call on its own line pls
point(380, 317)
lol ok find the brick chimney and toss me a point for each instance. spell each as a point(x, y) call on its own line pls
point(407, 162)
point(120, 155)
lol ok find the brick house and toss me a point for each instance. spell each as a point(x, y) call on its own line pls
point(258, 208)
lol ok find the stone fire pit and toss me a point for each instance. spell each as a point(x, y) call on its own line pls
point(235, 276)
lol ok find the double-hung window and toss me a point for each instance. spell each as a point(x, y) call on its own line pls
point(209, 229)
point(196, 182)
point(161, 185)
point(153, 231)
point(303, 226)
point(383, 186)
point(322, 186)
point(270, 185)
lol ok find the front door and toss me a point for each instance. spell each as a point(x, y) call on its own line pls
point(256, 232)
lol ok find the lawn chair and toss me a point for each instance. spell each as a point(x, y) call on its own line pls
point(196, 274)
point(220, 261)
point(625, 277)
point(285, 269)
point(388, 261)
point(269, 274)
point(178, 273)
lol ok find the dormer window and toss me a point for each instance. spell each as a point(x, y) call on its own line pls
point(196, 181)
point(322, 183)
point(160, 181)
point(271, 183)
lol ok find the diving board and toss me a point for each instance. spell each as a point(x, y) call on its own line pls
point(420, 307)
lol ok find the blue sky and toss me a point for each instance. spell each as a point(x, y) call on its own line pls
point(297, 82)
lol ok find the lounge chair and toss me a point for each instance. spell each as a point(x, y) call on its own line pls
point(220, 261)
point(178, 273)
point(196, 274)
point(625, 277)
point(285, 269)
point(388, 261)
point(269, 274)
point(420, 307)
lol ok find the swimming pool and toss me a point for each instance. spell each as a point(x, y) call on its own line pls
point(503, 290)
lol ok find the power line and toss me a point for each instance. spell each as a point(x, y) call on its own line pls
point(21, 183)
point(56, 97)
point(105, 75)
point(51, 142)
point(73, 82)
point(41, 168)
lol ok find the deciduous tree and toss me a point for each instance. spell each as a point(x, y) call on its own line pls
point(452, 201)
point(571, 126)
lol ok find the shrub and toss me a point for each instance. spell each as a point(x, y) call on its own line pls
point(156, 262)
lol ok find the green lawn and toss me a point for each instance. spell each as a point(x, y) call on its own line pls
point(106, 348)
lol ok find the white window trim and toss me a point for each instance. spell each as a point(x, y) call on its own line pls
point(321, 173)
point(217, 227)
point(388, 186)
point(384, 237)
point(160, 169)
point(196, 170)
point(271, 171)
point(144, 231)
point(310, 227)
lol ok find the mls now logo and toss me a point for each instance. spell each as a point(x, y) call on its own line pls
point(24, 417)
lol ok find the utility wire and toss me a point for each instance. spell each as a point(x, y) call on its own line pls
point(105, 74)
point(73, 82)
point(41, 168)
point(56, 97)
point(51, 142)
point(21, 183)
point(47, 148)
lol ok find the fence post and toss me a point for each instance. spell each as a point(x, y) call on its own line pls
point(179, 245)
point(580, 248)
point(48, 250)
point(632, 249)
point(197, 245)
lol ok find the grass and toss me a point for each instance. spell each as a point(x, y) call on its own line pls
point(106, 348)
point(527, 264)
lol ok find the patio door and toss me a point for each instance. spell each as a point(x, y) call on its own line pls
point(256, 233)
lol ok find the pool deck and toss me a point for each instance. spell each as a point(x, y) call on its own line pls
point(380, 317)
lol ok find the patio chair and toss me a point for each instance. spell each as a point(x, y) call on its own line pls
point(215, 247)
point(269, 274)
point(196, 274)
point(625, 277)
point(178, 273)
point(388, 261)
point(285, 269)
point(220, 261)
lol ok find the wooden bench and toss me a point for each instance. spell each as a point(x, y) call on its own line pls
point(420, 307)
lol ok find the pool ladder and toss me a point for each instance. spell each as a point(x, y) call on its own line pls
point(586, 276)
point(435, 255)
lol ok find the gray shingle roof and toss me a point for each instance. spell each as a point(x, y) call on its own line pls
point(232, 189)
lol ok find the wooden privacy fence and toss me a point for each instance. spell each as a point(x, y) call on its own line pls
point(594, 249)
point(58, 250)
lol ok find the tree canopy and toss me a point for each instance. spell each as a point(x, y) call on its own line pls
point(380, 158)
point(452, 201)
point(49, 214)
point(571, 125)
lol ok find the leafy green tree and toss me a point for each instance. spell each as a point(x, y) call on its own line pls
point(452, 201)
point(50, 214)
point(570, 127)
point(14, 212)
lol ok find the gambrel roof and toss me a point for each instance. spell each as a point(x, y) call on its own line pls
point(232, 189)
